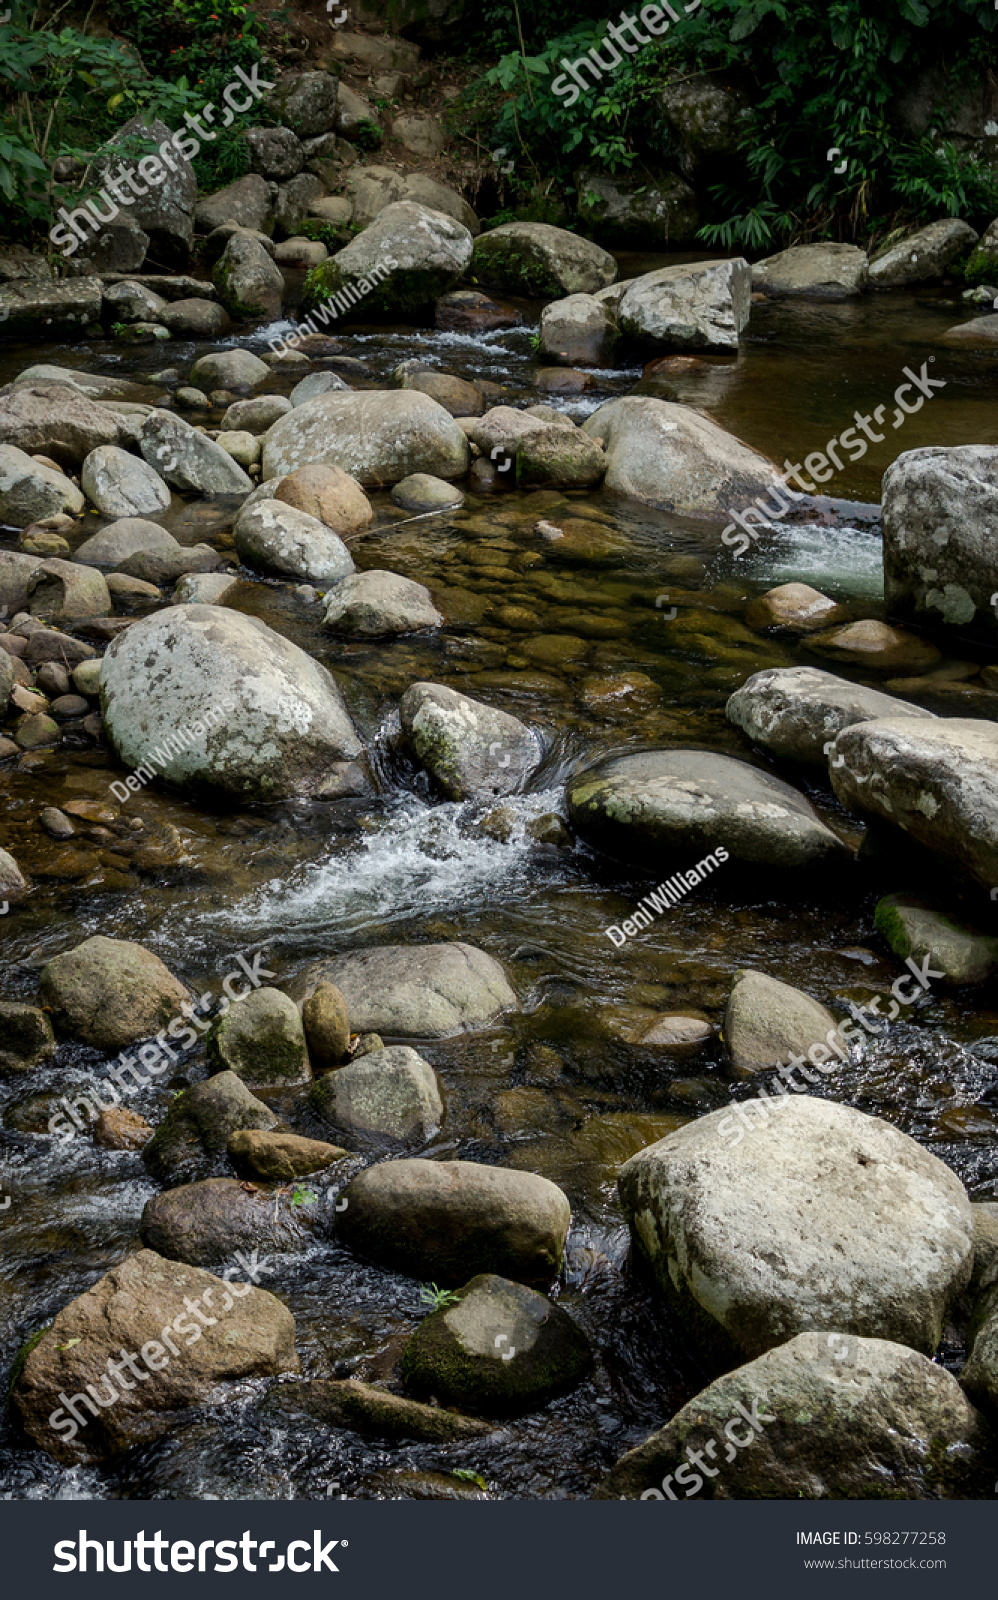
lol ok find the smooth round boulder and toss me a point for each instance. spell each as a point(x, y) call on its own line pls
point(374, 605)
point(471, 750)
point(427, 991)
point(379, 437)
point(272, 536)
point(663, 802)
point(385, 1094)
point(257, 415)
point(109, 992)
point(877, 647)
point(963, 955)
point(316, 385)
point(228, 369)
point(422, 492)
point(195, 319)
point(127, 537)
point(327, 1028)
point(262, 720)
point(501, 1349)
point(192, 1139)
point(447, 1220)
point(279, 1157)
point(793, 608)
point(809, 1216)
point(828, 1417)
point(327, 493)
point(206, 1223)
point(122, 485)
point(767, 1022)
point(261, 1040)
point(242, 446)
point(795, 712)
point(540, 261)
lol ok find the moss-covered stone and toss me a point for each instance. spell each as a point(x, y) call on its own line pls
point(912, 929)
point(261, 1040)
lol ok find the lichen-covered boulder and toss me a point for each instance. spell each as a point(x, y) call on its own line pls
point(794, 712)
point(700, 306)
point(536, 259)
point(384, 1094)
point(109, 992)
point(377, 437)
point(399, 264)
point(940, 561)
point(260, 1039)
point(272, 536)
point(470, 750)
point(427, 991)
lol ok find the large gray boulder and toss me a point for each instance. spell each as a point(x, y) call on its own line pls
point(29, 492)
point(939, 784)
point(424, 252)
point(961, 954)
point(250, 284)
point(767, 1023)
point(273, 537)
point(274, 153)
point(535, 259)
point(385, 1094)
point(794, 712)
point(119, 540)
point(251, 715)
point(447, 1220)
point(377, 437)
point(940, 557)
point(923, 255)
point(501, 1348)
point(578, 330)
point(671, 457)
point(137, 1306)
point(305, 102)
point(802, 1217)
point(666, 804)
point(166, 212)
point(813, 271)
point(229, 369)
point(52, 419)
point(132, 302)
point(828, 1417)
point(700, 306)
point(188, 460)
point(193, 1138)
point(471, 750)
point(246, 202)
point(110, 992)
point(375, 605)
point(49, 309)
point(626, 210)
point(122, 485)
point(426, 991)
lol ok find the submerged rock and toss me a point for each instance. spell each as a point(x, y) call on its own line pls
point(447, 1220)
point(262, 719)
point(878, 647)
point(914, 929)
point(664, 802)
point(767, 1023)
point(135, 1306)
point(501, 1348)
point(365, 1409)
point(110, 992)
point(390, 1094)
point(803, 1215)
point(192, 1138)
point(825, 1416)
point(429, 991)
point(936, 784)
point(794, 712)
point(261, 1040)
point(470, 750)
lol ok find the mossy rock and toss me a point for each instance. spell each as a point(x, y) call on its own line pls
point(511, 266)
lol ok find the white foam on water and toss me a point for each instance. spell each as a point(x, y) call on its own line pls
point(843, 561)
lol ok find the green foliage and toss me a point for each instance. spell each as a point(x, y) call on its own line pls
point(439, 1299)
point(304, 1197)
point(466, 1475)
point(223, 161)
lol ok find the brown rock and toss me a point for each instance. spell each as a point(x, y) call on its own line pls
point(366, 1409)
point(681, 1033)
point(877, 646)
point(794, 608)
point(329, 494)
point(327, 1027)
point(121, 1129)
point(109, 992)
point(563, 380)
point(279, 1156)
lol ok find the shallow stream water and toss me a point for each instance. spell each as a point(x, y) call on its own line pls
point(580, 643)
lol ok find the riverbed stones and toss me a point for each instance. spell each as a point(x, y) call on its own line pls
point(195, 319)
point(471, 750)
point(272, 536)
point(811, 1216)
point(135, 1307)
point(917, 930)
point(554, 458)
point(386, 1094)
point(122, 485)
point(30, 492)
point(52, 419)
point(261, 1040)
point(256, 416)
point(27, 1037)
point(940, 565)
point(13, 884)
point(447, 1220)
point(702, 305)
point(663, 802)
point(814, 272)
point(263, 720)
point(828, 1417)
point(207, 1222)
point(191, 1140)
point(400, 263)
point(924, 255)
point(316, 384)
point(229, 369)
point(279, 1157)
point(110, 992)
point(669, 456)
point(793, 608)
point(578, 331)
point(502, 1348)
point(767, 1022)
point(247, 203)
point(188, 460)
point(878, 647)
point(794, 712)
point(329, 494)
point(379, 438)
point(121, 1129)
point(429, 991)
point(422, 492)
point(540, 261)
point(376, 605)
point(65, 591)
point(938, 784)
point(327, 1026)
point(15, 570)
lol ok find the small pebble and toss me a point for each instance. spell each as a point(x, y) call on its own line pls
point(55, 823)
